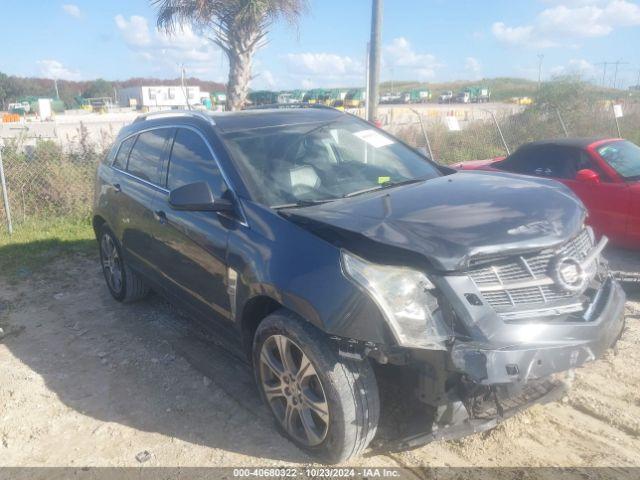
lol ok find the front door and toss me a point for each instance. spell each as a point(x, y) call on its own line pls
point(192, 246)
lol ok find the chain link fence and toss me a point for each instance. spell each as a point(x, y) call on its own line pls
point(496, 136)
point(47, 178)
point(55, 178)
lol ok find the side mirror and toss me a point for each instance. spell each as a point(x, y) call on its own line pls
point(197, 197)
point(588, 176)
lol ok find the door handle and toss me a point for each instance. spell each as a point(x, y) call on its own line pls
point(117, 187)
point(160, 216)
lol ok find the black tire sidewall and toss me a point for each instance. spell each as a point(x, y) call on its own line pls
point(323, 355)
point(123, 291)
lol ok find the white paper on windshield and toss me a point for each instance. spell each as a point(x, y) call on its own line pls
point(373, 138)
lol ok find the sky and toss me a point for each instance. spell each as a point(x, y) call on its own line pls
point(426, 40)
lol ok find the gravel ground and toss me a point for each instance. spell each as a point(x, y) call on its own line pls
point(86, 381)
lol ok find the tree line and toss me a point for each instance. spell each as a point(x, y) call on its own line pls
point(14, 88)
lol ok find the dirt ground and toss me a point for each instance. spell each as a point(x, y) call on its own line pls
point(85, 381)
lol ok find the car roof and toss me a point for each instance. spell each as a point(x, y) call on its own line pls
point(226, 122)
point(576, 142)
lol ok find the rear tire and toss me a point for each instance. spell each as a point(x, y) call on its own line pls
point(124, 284)
point(338, 407)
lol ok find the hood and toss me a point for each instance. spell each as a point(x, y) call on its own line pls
point(449, 220)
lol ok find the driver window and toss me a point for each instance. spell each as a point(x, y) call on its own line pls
point(582, 161)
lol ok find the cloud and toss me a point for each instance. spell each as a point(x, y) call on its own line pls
point(323, 63)
point(400, 54)
point(265, 79)
point(135, 31)
point(55, 69)
point(71, 9)
point(579, 67)
point(566, 22)
point(322, 68)
point(167, 51)
point(328, 69)
point(473, 67)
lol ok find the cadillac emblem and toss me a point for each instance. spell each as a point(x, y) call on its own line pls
point(569, 274)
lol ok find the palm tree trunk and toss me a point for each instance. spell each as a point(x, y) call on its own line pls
point(240, 64)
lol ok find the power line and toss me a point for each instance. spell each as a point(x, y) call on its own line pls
point(615, 75)
point(617, 64)
point(604, 70)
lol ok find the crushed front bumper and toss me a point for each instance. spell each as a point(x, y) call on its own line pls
point(554, 392)
point(569, 345)
point(511, 379)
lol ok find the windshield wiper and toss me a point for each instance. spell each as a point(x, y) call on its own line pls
point(303, 203)
point(384, 185)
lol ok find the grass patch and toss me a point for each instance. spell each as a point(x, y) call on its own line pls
point(37, 242)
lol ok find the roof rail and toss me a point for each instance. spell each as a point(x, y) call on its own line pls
point(175, 113)
point(285, 106)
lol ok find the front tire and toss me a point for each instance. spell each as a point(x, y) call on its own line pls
point(328, 406)
point(124, 284)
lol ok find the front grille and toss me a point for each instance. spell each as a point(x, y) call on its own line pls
point(522, 268)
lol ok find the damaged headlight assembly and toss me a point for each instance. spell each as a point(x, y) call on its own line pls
point(406, 298)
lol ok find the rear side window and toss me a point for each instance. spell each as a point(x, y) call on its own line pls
point(549, 161)
point(146, 155)
point(191, 161)
point(123, 153)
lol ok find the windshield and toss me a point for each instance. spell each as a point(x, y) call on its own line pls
point(624, 157)
point(305, 164)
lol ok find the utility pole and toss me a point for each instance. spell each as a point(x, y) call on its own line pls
point(392, 81)
point(615, 75)
point(55, 84)
point(604, 71)
point(540, 58)
point(184, 89)
point(374, 59)
point(367, 95)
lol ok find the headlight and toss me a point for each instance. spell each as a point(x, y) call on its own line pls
point(406, 298)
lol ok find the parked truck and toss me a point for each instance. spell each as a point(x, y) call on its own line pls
point(219, 98)
point(474, 95)
point(291, 97)
point(446, 97)
point(315, 96)
point(263, 97)
point(416, 96)
point(355, 98)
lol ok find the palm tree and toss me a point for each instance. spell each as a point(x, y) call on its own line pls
point(239, 28)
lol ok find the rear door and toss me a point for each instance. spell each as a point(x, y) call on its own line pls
point(192, 246)
point(139, 188)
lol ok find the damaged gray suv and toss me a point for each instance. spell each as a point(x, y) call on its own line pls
point(336, 254)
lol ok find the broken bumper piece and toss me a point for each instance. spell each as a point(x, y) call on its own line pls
point(544, 392)
point(521, 363)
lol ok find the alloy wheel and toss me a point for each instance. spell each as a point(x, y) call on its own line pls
point(111, 263)
point(293, 390)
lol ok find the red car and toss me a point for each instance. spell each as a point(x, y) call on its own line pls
point(604, 173)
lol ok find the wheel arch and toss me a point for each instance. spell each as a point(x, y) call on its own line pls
point(254, 311)
point(98, 222)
